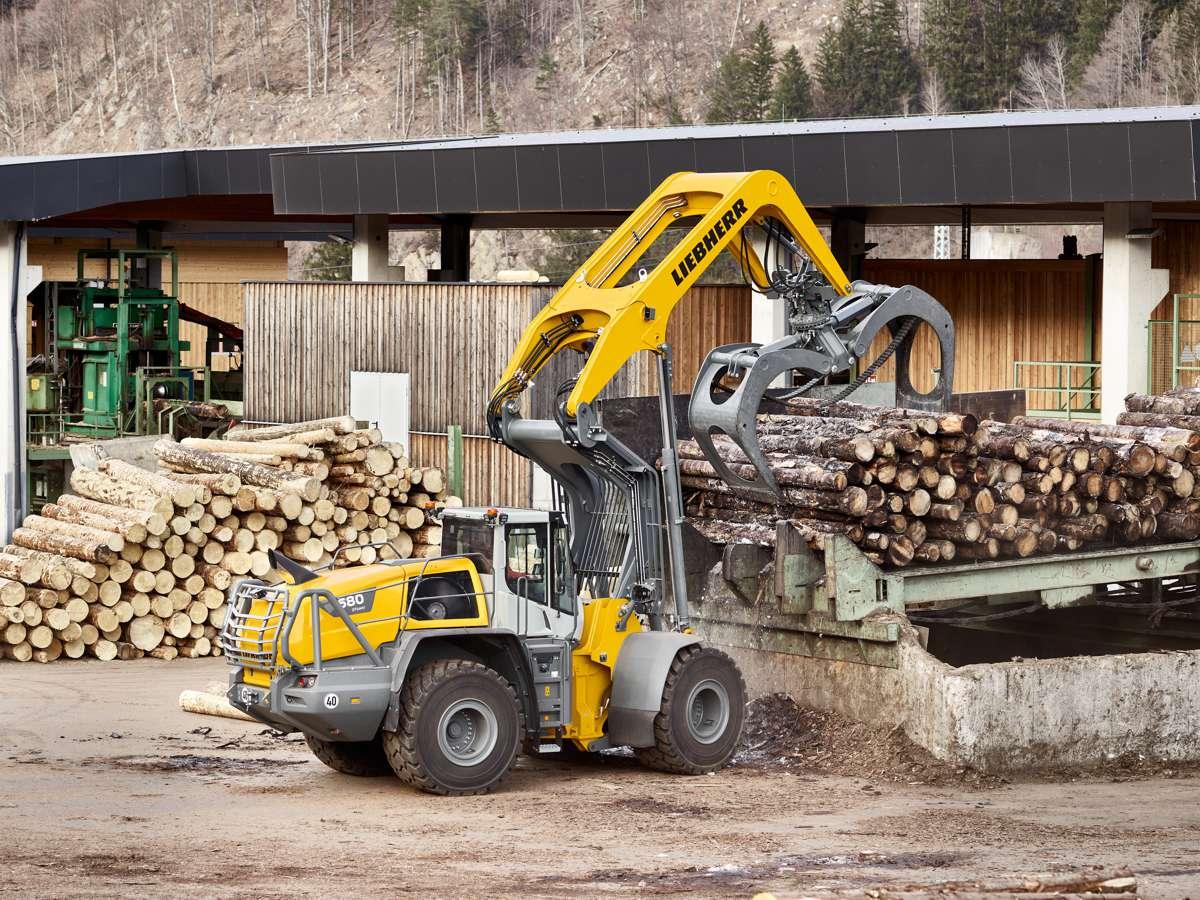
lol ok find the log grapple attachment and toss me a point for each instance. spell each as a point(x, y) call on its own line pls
point(830, 334)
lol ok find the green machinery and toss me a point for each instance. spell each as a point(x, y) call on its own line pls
point(109, 362)
point(115, 329)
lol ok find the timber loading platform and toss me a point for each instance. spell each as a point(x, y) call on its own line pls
point(1071, 659)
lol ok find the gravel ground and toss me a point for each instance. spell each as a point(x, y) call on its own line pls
point(107, 789)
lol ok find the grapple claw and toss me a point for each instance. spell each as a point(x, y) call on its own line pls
point(733, 412)
point(734, 378)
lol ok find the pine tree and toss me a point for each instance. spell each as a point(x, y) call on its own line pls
point(491, 121)
point(893, 84)
point(837, 62)
point(759, 71)
point(327, 261)
point(1091, 21)
point(741, 88)
point(547, 76)
point(849, 86)
point(951, 34)
point(793, 96)
point(976, 47)
point(728, 91)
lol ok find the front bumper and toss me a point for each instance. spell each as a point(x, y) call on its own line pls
point(345, 704)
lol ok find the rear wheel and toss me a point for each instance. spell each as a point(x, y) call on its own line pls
point(700, 720)
point(460, 727)
point(363, 758)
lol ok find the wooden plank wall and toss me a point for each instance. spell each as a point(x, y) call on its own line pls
point(1003, 310)
point(492, 474)
point(707, 317)
point(303, 338)
point(1177, 249)
point(228, 262)
point(219, 299)
point(453, 338)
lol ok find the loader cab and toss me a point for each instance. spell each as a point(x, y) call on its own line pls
point(531, 577)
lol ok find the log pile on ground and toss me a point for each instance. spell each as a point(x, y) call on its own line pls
point(136, 563)
point(910, 487)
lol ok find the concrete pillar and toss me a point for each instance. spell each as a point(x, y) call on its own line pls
point(1131, 290)
point(768, 313)
point(369, 258)
point(456, 249)
point(542, 488)
point(13, 289)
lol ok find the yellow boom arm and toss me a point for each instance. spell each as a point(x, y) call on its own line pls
point(625, 319)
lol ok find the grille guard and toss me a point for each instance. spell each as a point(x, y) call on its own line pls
point(261, 640)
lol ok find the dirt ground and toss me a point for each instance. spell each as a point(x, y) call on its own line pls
point(108, 789)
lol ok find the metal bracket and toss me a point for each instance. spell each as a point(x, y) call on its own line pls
point(856, 585)
point(741, 566)
point(797, 570)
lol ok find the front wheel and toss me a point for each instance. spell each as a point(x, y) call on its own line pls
point(363, 758)
point(460, 728)
point(700, 720)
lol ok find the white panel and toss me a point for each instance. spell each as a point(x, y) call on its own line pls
point(384, 400)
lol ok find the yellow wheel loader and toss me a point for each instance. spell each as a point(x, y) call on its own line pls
point(568, 629)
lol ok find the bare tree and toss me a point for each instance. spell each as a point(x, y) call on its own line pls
point(1043, 82)
point(933, 95)
point(1123, 70)
point(581, 32)
point(306, 13)
point(262, 34)
point(211, 21)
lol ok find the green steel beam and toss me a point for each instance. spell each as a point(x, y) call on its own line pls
point(1045, 573)
point(454, 460)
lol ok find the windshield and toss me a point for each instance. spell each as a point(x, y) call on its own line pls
point(466, 536)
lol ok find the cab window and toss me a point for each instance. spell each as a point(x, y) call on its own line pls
point(525, 561)
point(463, 536)
point(562, 590)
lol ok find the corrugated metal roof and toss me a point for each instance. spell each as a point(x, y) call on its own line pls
point(1019, 158)
point(1060, 157)
point(1018, 119)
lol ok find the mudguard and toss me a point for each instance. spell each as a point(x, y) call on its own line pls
point(638, 681)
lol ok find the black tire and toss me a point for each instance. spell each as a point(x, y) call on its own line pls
point(362, 758)
point(698, 675)
point(421, 750)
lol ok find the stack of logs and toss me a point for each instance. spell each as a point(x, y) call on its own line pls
point(135, 562)
point(908, 486)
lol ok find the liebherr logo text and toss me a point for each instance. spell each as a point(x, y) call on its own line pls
point(357, 603)
point(723, 226)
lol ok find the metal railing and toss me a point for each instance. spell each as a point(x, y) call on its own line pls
point(46, 428)
point(1059, 389)
point(1184, 353)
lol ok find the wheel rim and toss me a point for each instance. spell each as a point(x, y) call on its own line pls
point(467, 732)
point(707, 711)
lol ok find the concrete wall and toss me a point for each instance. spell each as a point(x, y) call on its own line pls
point(1074, 711)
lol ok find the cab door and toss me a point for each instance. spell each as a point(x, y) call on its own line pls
point(537, 570)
